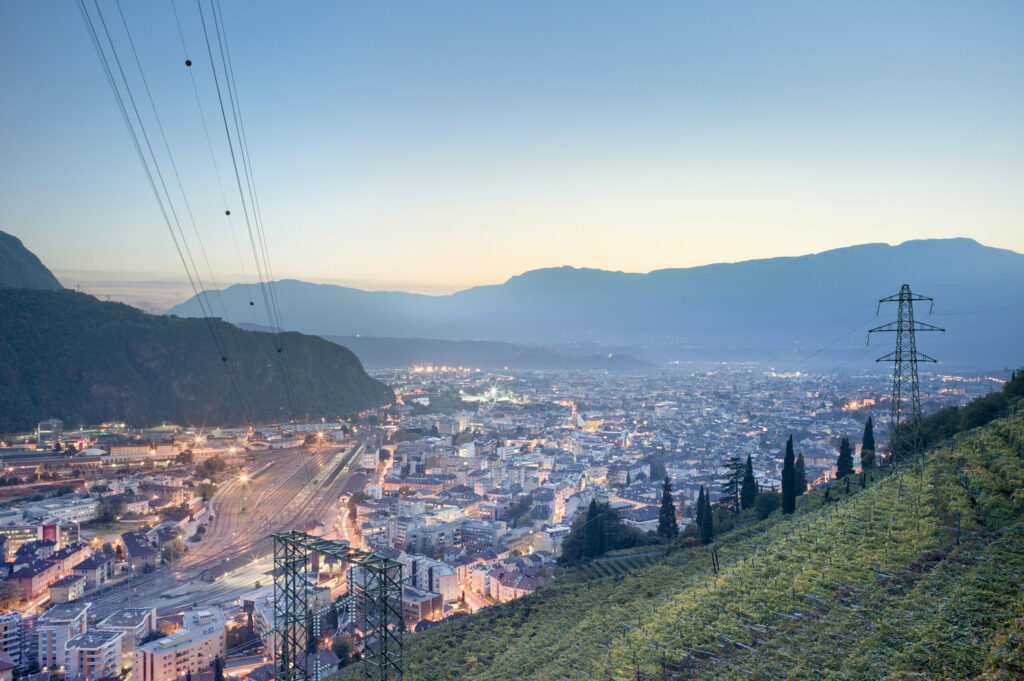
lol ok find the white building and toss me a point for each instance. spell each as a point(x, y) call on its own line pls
point(12, 628)
point(93, 654)
point(56, 627)
point(134, 623)
point(191, 649)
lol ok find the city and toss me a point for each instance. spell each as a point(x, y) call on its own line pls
point(472, 481)
point(462, 341)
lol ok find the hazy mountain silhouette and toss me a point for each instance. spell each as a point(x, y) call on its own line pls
point(775, 309)
point(20, 268)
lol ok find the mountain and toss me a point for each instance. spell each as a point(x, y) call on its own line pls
point(400, 352)
point(70, 356)
point(779, 309)
point(896, 575)
point(20, 268)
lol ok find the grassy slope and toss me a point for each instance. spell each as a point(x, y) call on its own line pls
point(869, 586)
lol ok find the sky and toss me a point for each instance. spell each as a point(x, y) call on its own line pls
point(432, 146)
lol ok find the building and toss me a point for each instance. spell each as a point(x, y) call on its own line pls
point(93, 654)
point(73, 510)
point(134, 623)
point(139, 551)
point(420, 604)
point(97, 569)
point(67, 589)
point(189, 650)
point(56, 627)
point(426, 573)
point(68, 557)
point(12, 630)
point(6, 667)
point(49, 434)
point(31, 579)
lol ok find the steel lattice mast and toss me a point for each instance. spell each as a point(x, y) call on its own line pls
point(376, 594)
point(906, 396)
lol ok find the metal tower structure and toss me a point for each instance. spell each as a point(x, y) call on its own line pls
point(906, 396)
point(375, 587)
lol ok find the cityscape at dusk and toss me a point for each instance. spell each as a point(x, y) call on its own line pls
point(488, 342)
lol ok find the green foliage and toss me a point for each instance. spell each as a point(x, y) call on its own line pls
point(789, 479)
point(668, 528)
point(154, 635)
point(844, 464)
point(699, 513)
point(707, 522)
point(344, 648)
point(208, 468)
point(658, 471)
point(69, 355)
point(767, 503)
point(600, 531)
point(110, 509)
point(206, 490)
point(748, 488)
point(800, 475)
point(950, 421)
point(733, 481)
point(867, 447)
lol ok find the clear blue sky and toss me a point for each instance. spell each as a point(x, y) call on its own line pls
point(434, 145)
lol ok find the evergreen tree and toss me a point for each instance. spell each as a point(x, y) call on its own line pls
point(867, 447)
point(629, 480)
point(800, 475)
point(668, 528)
point(218, 669)
point(748, 490)
point(707, 522)
point(844, 464)
point(699, 519)
point(591, 543)
point(789, 479)
point(730, 500)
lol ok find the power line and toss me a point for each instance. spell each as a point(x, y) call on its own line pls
point(164, 201)
point(241, 166)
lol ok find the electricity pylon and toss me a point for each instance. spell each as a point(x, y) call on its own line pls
point(904, 374)
point(376, 595)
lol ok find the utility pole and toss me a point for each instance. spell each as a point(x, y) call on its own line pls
point(904, 375)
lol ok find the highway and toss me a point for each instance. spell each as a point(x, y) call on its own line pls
point(289, 489)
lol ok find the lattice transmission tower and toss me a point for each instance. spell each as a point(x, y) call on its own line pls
point(905, 407)
point(375, 596)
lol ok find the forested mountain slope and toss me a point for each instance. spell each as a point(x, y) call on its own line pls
point(67, 355)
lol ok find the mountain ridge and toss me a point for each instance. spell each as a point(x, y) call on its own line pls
point(21, 268)
point(792, 303)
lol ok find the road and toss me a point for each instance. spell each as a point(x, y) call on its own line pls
point(290, 489)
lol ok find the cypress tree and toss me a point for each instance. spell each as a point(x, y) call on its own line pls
point(699, 519)
point(707, 522)
point(800, 475)
point(590, 528)
point(748, 490)
point(844, 464)
point(668, 528)
point(602, 533)
point(218, 669)
point(867, 447)
point(788, 479)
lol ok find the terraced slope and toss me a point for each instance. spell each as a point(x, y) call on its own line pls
point(873, 585)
